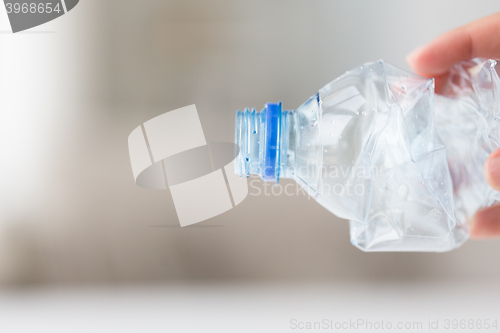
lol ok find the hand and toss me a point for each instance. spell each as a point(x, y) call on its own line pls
point(478, 39)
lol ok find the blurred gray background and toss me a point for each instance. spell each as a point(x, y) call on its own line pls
point(71, 212)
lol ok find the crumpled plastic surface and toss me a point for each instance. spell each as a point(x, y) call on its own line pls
point(428, 152)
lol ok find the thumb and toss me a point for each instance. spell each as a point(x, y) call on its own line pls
point(492, 169)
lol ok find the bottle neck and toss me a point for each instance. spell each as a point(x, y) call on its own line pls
point(263, 138)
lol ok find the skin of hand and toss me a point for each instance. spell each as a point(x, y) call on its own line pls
point(478, 39)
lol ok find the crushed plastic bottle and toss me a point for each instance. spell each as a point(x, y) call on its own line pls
point(376, 146)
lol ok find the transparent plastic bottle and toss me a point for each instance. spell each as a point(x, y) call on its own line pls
point(376, 146)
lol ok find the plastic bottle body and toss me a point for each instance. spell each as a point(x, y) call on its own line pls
point(366, 148)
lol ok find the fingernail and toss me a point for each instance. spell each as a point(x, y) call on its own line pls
point(410, 58)
point(485, 223)
point(475, 226)
point(492, 171)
